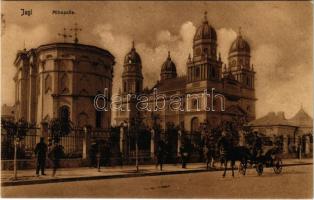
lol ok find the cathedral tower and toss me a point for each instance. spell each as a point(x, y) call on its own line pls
point(242, 70)
point(205, 64)
point(132, 78)
point(168, 69)
point(239, 62)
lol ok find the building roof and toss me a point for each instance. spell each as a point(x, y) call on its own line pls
point(302, 119)
point(78, 46)
point(132, 57)
point(239, 45)
point(272, 119)
point(168, 65)
point(171, 84)
point(205, 31)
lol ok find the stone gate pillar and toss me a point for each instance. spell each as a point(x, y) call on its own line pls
point(86, 143)
point(179, 142)
point(152, 143)
point(307, 145)
point(121, 140)
point(285, 145)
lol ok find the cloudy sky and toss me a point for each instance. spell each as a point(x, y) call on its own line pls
point(280, 35)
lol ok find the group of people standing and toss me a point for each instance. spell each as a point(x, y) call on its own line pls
point(53, 150)
point(161, 153)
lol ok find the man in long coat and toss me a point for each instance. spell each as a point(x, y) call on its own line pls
point(40, 152)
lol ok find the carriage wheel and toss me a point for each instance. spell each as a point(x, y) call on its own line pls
point(259, 169)
point(243, 166)
point(277, 166)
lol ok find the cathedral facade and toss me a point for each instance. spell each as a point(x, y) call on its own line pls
point(62, 79)
point(205, 72)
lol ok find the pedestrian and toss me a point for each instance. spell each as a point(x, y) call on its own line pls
point(55, 155)
point(160, 154)
point(92, 155)
point(184, 154)
point(41, 153)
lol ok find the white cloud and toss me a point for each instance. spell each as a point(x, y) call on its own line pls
point(152, 56)
point(13, 40)
point(225, 37)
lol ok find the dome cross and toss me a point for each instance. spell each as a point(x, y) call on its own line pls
point(205, 16)
point(64, 35)
point(240, 31)
point(76, 30)
point(133, 45)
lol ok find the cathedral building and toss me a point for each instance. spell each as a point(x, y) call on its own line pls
point(233, 84)
point(62, 79)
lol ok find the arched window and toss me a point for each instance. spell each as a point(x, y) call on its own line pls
point(195, 103)
point(48, 83)
point(205, 51)
point(64, 83)
point(194, 125)
point(64, 113)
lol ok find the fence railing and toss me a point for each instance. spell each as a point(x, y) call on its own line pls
point(72, 143)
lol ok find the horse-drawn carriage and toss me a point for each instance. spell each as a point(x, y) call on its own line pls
point(258, 150)
point(269, 155)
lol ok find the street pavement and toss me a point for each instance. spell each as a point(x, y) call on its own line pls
point(78, 174)
point(293, 182)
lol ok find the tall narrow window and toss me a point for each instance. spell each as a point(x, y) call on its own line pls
point(64, 113)
point(124, 86)
point(137, 86)
point(48, 83)
point(98, 119)
point(197, 72)
point(64, 83)
point(213, 72)
point(194, 125)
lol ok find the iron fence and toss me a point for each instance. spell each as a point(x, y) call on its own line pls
point(72, 143)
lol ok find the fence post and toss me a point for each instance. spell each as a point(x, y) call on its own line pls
point(85, 143)
point(152, 143)
point(121, 139)
point(285, 145)
point(307, 145)
point(179, 142)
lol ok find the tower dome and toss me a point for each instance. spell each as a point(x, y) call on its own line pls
point(205, 31)
point(168, 69)
point(132, 57)
point(132, 77)
point(205, 42)
point(239, 45)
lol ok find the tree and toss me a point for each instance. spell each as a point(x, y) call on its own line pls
point(60, 128)
point(18, 131)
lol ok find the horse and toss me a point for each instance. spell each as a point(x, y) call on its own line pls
point(233, 153)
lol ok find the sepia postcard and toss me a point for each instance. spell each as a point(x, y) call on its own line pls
point(157, 99)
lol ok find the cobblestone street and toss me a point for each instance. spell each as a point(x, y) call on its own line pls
point(294, 182)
